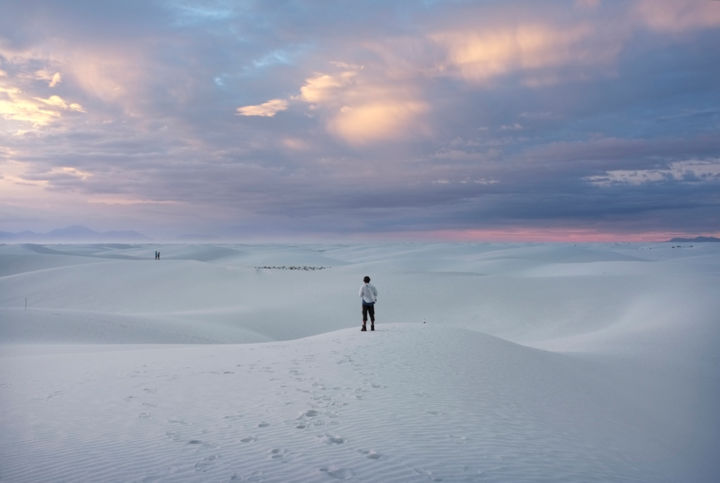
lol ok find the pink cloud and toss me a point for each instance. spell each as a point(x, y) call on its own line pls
point(480, 56)
point(679, 15)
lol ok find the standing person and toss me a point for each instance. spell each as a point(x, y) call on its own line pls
point(368, 294)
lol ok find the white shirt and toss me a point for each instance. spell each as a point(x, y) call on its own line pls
point(368, 292)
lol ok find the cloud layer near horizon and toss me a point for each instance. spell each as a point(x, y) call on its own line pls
point(362, 118)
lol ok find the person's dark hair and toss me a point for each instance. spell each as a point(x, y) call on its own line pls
point(366, 279)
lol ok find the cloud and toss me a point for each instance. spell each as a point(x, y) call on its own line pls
point(484, 55)
point(36, 111)
point(53, 79)
point(678, 15)
point(60, 103)
point(437, 115)
point(358, 108)
point(15, 106)
point(266, 109)
point(296, 144)
point(379, 120)
point(56, 79)
point(111, 77)
point(70, 171)
point(127, 201)
point(684, 171)
point(325, 87)
point(15, 178)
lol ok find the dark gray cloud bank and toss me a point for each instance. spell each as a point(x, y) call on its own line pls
point(464, 120)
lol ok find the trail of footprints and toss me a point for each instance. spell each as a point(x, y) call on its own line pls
point(316, 423)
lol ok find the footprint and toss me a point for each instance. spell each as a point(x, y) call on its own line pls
point(331, 439)
point(263, 425)
point(277, 454)
point(338, 473)
point(233, 417)
point(310, 413)
point(205, 463)
point(371, 454)
point(248, 439)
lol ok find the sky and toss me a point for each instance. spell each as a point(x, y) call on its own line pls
point(575, 120)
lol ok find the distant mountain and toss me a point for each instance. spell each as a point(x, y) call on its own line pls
point(697, 239)
point(74, 233)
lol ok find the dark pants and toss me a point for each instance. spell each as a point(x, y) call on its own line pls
point(368, 309)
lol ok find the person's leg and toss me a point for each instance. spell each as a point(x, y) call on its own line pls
point(365, 316)
point(371, 310)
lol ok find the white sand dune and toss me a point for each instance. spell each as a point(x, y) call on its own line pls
point(536, 363)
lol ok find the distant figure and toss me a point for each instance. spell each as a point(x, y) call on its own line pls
point(368, 294)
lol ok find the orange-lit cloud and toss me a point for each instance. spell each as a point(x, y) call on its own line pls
point(266, 109)
point(16, 182)
point(358, 109)
point(70, 171)
point(60, 103)
point(14, 178)
point(111, 74)
point(19, 101)
point(377, 120)
point(361, 109)
point(479, 57)
point(103, 79)
point(56, 78)
point(679, 15)
point(323, 87)
point(15, 105)
point(296, 144)
point(17, 173)
point(53, 79)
